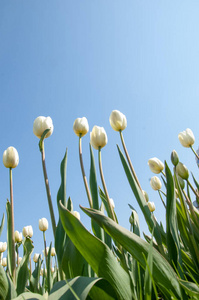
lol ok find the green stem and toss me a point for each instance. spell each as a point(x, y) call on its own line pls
point(45, 250)
point(194, 152)
point(192, 188)
point(161, 198)
point(129, 160)
point(112, 215)
point(83, 173)
point(13, 266)
point(48, 189)
point(163, 173)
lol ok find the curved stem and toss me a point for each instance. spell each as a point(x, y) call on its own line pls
point(194, 152)
point(129, 160)
point(192, 188)
point(13, 266)
point(161, 198)
point(104, 186)
point(48, 189)
point(83, 173)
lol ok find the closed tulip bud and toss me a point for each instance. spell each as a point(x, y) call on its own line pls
point(27, 231)
point(4, 262)
point(151, 206)
point(41, 124)
point(20, 259)
point(145, 195)
point(182, 171)
point(10, 158)
point(174, 158)
point(76, 214)
point(43, 224)
point(186, 138)
point(155, 183)
point(52, 269)
point(181, 182)
point(118, 120)
point(47, 249)
point(53, 253)
point(155, 165)
point(18, 236)
point(112, 203)
point(36, 257)
point(98, 137)
point(81, 126)
point(3, 247)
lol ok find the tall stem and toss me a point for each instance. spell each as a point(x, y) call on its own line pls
point(161, 198)
point(104, 186)
point(192, 188)
point(13, 266)
point(45, 250)
point(48, 190)
point(194, 152)
point(83, 173)
point(129, 160)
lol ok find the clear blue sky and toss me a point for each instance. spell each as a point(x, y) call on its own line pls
point(68, 59)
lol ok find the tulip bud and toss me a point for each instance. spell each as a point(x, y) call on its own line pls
point(3, 247)
point(112, 203)
point(186, 138)
point(174, 158)
point(10, 158)
point(41, 124)
point(27, 231)
point(151, 206)
point(36, 257)
point(47, 249)
point(42, 272)
point(52, 269)
point(118, 120)
point(181, 182)
point(20, 259)
point(4, 262)
point(155, 165)
point(81, 126)
point(155, 183)
point(182, 171)
point(145, 195)
point(76, 214)
point(18, 236)
point(98, 137)
point(53, 253)
point(43, 224)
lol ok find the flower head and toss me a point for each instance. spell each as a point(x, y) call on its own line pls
point(4, 262)
point(155, 165)
point(98, 137)
point(36, 257)
point(43, 224)
point(27, 231)
point(186, 138)
point(182, 171)
point(118, 120)
point(41, 124)
point(18, 236)
point(3, 247)
point(76, 214)
point(81, 126)
point(10, 158)
point(155, 183)
point(53, 253)
point(174, 158)
point(151, 206)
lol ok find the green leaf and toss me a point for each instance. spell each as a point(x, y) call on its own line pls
point(191, 288)
point(2, 224)
point(97, 254)
point(22, 272)
point(149, 272)
point(135, 220)
point(7, 290)
point(30, 296)
point(164, 275)
point(49, 276)
point(9, 237)
point(35, 277)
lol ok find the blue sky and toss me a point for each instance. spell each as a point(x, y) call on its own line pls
point(69, 59)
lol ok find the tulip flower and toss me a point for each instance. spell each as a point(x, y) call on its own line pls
point(151, 206)
point(4, 262)
point(112, 202)
point(98, 137)
point(3, 247)
point(155, 165)
point(182, 171)
point(18, 236)
point(81, 126)
point(76, 214)
point(118, 120)
point(36, 257)
point(145, 195)
point(53, 253)
point(19, 260)
point(27, 231)
point(10, 158)
point(41, 124)
point(43, 224)
point(186, 138)
point(174, 158)
point(155, 183)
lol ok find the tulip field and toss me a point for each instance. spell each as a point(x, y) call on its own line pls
point(109, 262)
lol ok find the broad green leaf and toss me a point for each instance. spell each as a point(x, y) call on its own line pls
point(49, 276)
point(2, 224)
point(148, 272)
point(97, 254)
point(35, 277)
point(7, 290)
point(191, 288)
point(9, 237)
point(22, 272)
point(30, 296)
point(163, 273)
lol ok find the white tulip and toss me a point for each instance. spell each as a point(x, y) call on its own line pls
point(53, 253)
point(145, 195)
point(151, 206)
point(112, 202)
point(52, 269)
point(81, 126)
point(47, 249)
point(10, 158)
point(182, 171)
point(4, 262)
point(186, 138)
point(155, 183)
point(41, 124)
point(43, 224)
point(18, 236)
point(118, 120)
point(20, 259)
point(36, 257)
point(76, 214)
point(27, 231)
point(155, 165)
point(98, 137)
point(42, 272)
point(3, 247)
